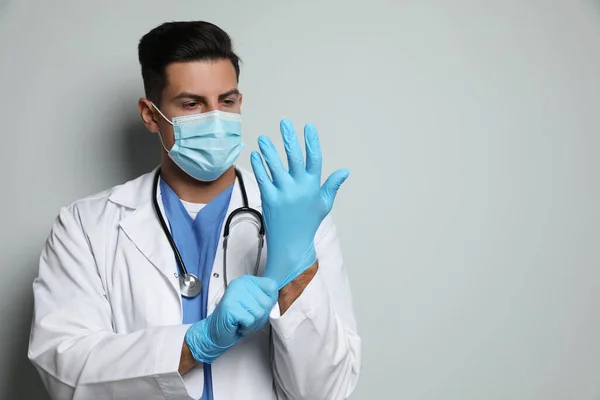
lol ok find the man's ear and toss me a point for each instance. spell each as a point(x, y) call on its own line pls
point(148, 115)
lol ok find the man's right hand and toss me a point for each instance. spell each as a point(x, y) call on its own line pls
point(244, 309)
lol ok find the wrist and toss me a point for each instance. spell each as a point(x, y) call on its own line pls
point(294, 267)
point(187, 360)
point(293, 290)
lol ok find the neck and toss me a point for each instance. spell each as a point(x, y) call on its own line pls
point(190, 189)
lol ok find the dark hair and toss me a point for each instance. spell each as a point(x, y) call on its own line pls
point(181, 41)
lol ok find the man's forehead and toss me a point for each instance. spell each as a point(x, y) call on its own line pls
point(201, 77)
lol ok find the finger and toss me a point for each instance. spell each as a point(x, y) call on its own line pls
point(255, 309)
point(257, 301)
point(314, 160)
point(268, 151)
point(264, 182)
point(245, 319)
point(332, 185)
point(267, 286)
point(267, 295)
point(292, 147)
point(245, 331)
point(251, 324)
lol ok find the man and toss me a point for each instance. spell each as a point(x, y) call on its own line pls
point(116, 314)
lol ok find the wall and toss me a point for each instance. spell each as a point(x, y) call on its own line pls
point(470, 221)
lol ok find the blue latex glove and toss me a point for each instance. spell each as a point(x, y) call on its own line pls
point(244, 308)
point(293, 204)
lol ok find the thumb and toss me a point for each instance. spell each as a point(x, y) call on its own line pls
point(331, 186)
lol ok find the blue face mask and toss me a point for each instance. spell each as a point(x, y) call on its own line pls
point(207, 144)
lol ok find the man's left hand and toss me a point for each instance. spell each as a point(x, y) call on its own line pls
point(293, 202)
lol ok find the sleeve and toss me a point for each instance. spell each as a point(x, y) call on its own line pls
point(72, 342)
point(317, 350)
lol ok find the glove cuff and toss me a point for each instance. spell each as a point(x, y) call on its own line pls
point(309, 257)
point(201, 346)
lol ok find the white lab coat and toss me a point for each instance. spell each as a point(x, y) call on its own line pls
point(108, 314)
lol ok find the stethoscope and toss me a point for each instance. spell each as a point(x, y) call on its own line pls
point(189, 284)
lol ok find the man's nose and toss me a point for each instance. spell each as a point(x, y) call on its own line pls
point(213, 104)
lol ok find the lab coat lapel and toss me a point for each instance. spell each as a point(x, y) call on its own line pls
point(144, 230)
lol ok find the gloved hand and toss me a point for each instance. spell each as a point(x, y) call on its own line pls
point(244, 308)
point(293, 204)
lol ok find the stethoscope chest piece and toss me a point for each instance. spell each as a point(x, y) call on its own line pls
point(190, 285)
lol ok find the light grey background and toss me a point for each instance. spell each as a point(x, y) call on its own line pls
point(471, 218)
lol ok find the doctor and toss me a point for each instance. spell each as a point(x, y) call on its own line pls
point(137, 297)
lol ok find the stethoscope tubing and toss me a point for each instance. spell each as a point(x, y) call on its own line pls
point(244, 209)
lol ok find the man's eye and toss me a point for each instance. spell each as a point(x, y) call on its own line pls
point(190, 105)
point(229, 102)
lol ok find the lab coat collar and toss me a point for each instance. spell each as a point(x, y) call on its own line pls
point(135, 193)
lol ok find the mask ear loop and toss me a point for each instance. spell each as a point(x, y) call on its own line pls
point(160, 134)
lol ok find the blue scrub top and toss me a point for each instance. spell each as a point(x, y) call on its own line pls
point(197, 240)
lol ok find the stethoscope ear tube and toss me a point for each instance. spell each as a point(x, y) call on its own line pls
point(261, 243)
point(163, 224)
point(238, 211)
point(241, 210)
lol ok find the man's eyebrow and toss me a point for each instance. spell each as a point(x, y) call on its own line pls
point(229, 93)
point(187, 95)
point(199, 98)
